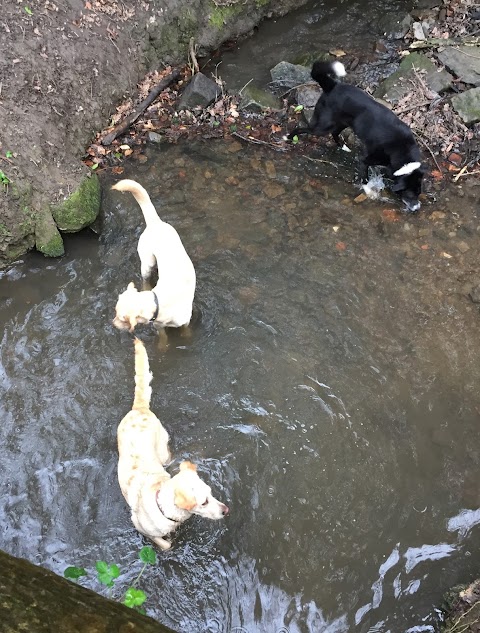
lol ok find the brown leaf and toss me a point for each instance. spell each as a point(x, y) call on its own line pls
point(118, 170)
point(340, 246)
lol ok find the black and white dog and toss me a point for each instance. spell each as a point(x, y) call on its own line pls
point(388, 141)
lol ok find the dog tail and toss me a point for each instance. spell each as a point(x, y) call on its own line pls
point(321, 72)
point(143, 377)
point(141, 196)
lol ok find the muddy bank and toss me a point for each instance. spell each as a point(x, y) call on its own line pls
point(65, 66)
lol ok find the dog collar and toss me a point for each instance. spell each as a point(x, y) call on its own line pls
point(162, 512)
point(155, 314)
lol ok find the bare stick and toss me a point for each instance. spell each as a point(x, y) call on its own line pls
point(193, 57)
point(431, 153)
point(249, 139)
point(123, 127)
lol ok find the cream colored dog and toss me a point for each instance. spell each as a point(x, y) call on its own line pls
point(159, 503)
point(169, 304)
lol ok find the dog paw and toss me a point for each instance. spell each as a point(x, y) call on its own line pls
point(345, 148)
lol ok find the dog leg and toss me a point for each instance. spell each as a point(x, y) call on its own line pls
point(162, 543)
point(162, 343)
point(185, 331)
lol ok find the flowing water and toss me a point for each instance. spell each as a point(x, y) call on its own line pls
point(329, 393)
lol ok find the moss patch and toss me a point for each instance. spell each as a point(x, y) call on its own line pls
point(221, 15)
point(47, 237)
point(81, 209)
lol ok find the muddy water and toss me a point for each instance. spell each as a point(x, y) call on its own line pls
point(329, 393)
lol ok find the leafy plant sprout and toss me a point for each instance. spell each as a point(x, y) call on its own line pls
point(108, 573)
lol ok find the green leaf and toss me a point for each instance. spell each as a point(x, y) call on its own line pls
point(4, 179)
point(233, 128)
point(298, 108)
point(101, 566)
point(8, 154)
point(114, 571)
point(148, 555)
point(216, 123)
point(118, 155)
point(134, 597)
point(28, 10)
point(140, 610)
point(74, 573)
point(94, 166)
point(295, 139)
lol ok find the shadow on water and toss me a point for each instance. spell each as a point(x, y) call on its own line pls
point(329, 394)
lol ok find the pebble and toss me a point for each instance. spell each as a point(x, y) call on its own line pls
point(235, 147)
point(273, 190)
point(270, 169)
point(463, 247)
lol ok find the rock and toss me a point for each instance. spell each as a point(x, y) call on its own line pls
point(81, 208)
point(398, 84)
point(257, 100)
point(270, 169)
point(393, 26)
point(464, 61)
point(154, 137)
point(474, 294)
point(286, 75)
point(307, 59)
point(418, 33)
point(273, 190)
point(47, 237)
point(307, 96)
point(467, 105)
point(200, 92)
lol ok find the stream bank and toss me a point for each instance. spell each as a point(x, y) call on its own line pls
point(64, 66)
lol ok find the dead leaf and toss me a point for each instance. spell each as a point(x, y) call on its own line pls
point(436, 174)
point(446, 255)
point(128, 152)
point(276, 128)
point(124, 147)
point(118, 170)
point(337, 52)
point(390, 215)
point(360, 198)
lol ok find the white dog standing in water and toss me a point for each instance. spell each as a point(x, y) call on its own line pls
point(169, 303)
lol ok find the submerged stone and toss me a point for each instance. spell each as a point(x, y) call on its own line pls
point(81, 208)
point(47, 237)
point(467, 105)
point(256, 100)
point(398, 84)
point(286, 75)
point(200, 92)
point(464, 61)
point(393, 26)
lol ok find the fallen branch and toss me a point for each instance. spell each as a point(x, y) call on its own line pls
point(431, 153)
point(435, 42)
point(192, 54)
point(256, 141)
point(123, 127)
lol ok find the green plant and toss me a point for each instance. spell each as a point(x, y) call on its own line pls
point(108, 573)
point(295, 139)
point(298, 108)
point(8, 154)
point(28, 10)
point(4, 179)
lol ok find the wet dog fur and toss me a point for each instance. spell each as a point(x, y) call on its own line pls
point(388, 141)
point(158, 502)
point(169, 303)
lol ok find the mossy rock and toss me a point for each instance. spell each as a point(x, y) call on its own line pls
point(81, 209)
point(47, 237)
point(219, 16)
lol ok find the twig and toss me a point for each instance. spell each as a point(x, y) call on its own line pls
point(308, 83)
point(463, 172)
point(431, 153)
point(249, 139)
point(412, 107)
point(123, 127)
point(319, 160)
point(193, 57)
point(243, 88)
point(435, 42)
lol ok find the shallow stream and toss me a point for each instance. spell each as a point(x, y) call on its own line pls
point(329, 394)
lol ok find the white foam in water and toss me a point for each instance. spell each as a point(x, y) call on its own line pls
point(374, 187)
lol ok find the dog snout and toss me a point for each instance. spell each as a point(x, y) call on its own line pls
point(225, 510)
point(412, 207)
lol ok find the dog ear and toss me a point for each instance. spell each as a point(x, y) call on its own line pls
point(131, 286)
point(188, 466)
point(184, 500)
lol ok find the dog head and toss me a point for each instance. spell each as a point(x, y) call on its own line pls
point(408, 184)
point(126, 310)
point(194, 496)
